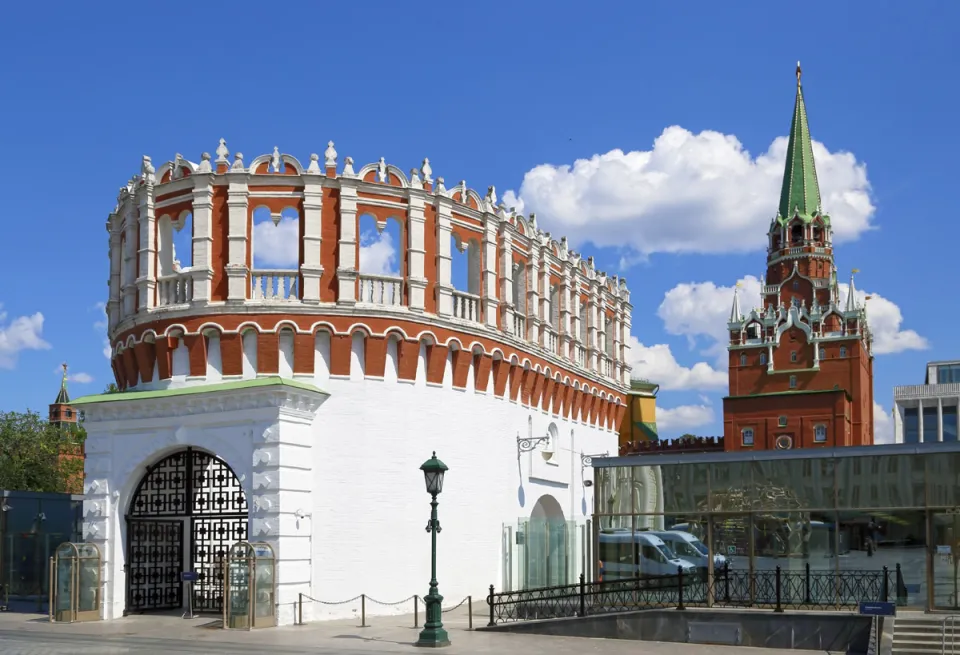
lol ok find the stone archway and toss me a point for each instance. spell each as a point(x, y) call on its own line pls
point(187, 510)
point(548, 556)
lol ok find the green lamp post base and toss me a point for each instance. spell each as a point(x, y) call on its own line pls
point(433, 638)
point(433, 635)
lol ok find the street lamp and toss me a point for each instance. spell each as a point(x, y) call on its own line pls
point(433, 635)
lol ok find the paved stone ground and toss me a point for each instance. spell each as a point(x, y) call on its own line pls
point(30, 634)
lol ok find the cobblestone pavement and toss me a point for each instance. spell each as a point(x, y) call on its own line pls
point(22, 634)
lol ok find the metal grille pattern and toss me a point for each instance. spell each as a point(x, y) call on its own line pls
point(154, 562)
point(204, 490)
point(775, 589)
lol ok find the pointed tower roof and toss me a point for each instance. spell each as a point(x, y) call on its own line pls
point(852, 304)
point(735, 315)
point(800, 194)
point(63, 398)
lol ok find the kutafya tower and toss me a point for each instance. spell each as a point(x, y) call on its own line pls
point(801, 367)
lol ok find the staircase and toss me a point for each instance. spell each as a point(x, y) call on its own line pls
point(920, 634)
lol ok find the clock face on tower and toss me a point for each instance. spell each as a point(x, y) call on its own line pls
point(784, 442)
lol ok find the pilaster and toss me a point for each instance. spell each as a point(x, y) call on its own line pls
point(488, 262)
point(116, 255)
point(238, 195)
point(129, 280)
point(312, 269)
point(618, 338)
point(593, 333)
point(147, 247)
point(533, 292)
point(202, 267)
point(566, 322)
point(444, 207)
point(506, 280)
point(347, 245)
point(416, 250)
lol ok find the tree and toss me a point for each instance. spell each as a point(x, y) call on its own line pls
point(37, 456)
point(111, 388)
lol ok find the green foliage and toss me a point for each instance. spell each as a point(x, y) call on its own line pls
point(31, 453)
point(111, 388)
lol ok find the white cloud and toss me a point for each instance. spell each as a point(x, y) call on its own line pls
point(691, 193)
point(101, 327)
point(657, 364)
point(700, 310)
point(378, 255)
point(882, 424)
point(22, 333)
point(79, 378)
point(683, 418)
point(276, 246)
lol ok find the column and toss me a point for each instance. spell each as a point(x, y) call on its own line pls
point(237, 270)
point(506, 280)
point(533, 292)
point(897, 423)
point(488, 263)
point(593, 334)
point(311, 268)
point(116, 255)
point(939, 418)
point(566, 339)
point(444, 207)
point(920, 419)
point(617, 337)
point(347, 246)
point(147, 247)
point(202, 269)
point(129, 279)
point(416, 250)
point(627, 326)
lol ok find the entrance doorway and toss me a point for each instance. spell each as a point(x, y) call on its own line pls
point(187, 511)
point(945, 544)
point(548, 548)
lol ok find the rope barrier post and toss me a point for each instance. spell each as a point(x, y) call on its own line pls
point(416, 611)
point(490, 602)
point(469, 612)
point(300, 609)
point(363, 610)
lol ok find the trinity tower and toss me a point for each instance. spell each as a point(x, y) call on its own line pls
point(801, 366)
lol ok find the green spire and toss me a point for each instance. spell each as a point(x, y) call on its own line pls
point(801, 192)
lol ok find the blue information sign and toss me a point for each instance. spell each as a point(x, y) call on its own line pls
point(878, 608)
point(189, 576)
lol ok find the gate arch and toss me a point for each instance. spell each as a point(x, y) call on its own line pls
point(186, 511)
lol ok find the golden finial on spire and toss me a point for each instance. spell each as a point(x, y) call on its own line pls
point(799, 72)
point(63, 381)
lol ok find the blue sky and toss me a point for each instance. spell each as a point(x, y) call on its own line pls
point(512, 95)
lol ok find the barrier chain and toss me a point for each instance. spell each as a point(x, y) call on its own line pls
point(363, 598)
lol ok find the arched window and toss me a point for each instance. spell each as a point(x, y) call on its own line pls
point(763, 358)
point(743, 359)
point(843, 351)
point(796, 234)
point(823, 353)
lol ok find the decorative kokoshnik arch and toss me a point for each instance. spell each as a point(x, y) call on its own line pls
point(190, 502)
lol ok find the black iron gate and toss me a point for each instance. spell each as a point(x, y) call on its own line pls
point(193, 493)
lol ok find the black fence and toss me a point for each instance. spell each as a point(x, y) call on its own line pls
point(777, 590)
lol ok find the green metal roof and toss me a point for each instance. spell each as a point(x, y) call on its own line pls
point(258, 383)
point(800, 194)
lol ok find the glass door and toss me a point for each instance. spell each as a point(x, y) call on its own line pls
point(945, 547)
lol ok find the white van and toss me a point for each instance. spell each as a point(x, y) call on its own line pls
point(625, 554)
point(690, 548)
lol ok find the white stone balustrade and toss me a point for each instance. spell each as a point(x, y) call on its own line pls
point(176, 289)
point(274, 285)
point(466, 306)
point(381, 290)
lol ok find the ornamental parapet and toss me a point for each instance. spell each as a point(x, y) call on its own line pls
point(680, 445)
point(273, 242)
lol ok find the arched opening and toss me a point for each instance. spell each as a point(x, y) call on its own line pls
point(520, 300)
point(465, 277)
point(187, 510)
point(796, 234)
point(380, 260)
point(546, 557)
point(275, 248)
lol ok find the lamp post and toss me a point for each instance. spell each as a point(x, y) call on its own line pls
point(433, 635)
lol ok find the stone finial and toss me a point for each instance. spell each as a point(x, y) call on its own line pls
point(415, 181)
point(533, 223)
point(204, 166)
point(177, 171)
point(147, 171)
point(426, 172)
point(314, 166)
point(238, 163)
point(382, 170)
point(440, 189)
point(222, 153)
point(463, 192)
point(275, 160)
point(348, 168)
point(491, 197)
point(330, 156)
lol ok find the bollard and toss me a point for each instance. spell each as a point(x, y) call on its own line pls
point(680, 588)
point(416, 610)
point(490, 603)
point(470, 610)
point(363, 610)
point(778, 607)
point(583, 595)
point(300, 609)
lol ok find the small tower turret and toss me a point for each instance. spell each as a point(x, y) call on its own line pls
point(62, 414)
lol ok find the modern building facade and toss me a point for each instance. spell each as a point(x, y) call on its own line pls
point(801, 366)
point(830, 509)
point(927, 413)
point(293, 404)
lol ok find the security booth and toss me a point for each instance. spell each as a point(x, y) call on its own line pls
point(75, 576)
point(250, 586)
